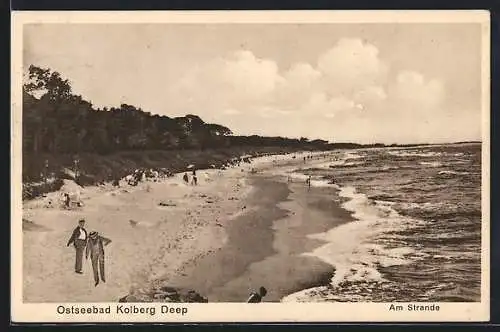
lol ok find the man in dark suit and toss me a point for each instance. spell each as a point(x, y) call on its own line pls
point(95, 247)
point(79, 240)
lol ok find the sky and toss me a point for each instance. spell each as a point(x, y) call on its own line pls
point(365, 83)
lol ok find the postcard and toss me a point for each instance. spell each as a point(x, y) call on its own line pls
point(250, 166)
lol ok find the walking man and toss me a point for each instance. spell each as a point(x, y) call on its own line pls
point(79, 240)
point(95, 247)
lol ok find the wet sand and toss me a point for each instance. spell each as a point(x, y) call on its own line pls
point(266, 243)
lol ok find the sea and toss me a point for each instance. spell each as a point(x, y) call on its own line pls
point(416, 234)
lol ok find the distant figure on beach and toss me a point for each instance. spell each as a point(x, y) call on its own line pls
point(304, 159)
point(95, 247)
point(67, 200)
point(257, 297)
point(79, 240)
point(195, 180)
point(194, 172)
point(186, 178)
point(308, 181)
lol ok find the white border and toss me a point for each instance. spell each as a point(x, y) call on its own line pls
point(264, 312)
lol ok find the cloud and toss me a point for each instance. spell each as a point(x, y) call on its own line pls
point(370, 94)
point(301, 75)
point(247, 76)
point(227, 84)
point(320, 104)
point(347, 94)
point(412, 88)
point(352, 65)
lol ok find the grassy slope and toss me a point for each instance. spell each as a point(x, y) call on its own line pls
point(95, 168)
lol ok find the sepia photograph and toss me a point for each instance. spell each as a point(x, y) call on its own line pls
point(181, 166)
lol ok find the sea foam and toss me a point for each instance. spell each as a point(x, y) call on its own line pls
point(350, 249)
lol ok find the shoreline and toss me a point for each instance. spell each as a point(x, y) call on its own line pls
point(271, 255)
point(223, 220)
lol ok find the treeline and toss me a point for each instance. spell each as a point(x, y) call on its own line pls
point(60, 127)
point(61, 122)
point(57, 122)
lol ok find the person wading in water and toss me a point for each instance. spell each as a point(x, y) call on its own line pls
point(79, 240)
point(95, 247)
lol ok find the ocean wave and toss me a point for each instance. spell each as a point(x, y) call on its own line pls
point(417, 217)
point(430, 163)
point(414, 153)
point(426, 206)
point(347, 164)
point(317, 182)
point(453, 173)
point(351, 247)
point(352, 155)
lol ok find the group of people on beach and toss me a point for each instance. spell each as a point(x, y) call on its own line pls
point(194, 179)
point(93, 244)
point(142, 175)
point(67, 201)
point(307, 157)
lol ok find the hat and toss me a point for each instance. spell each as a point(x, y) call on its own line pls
point(81, 220)
point(93, 234)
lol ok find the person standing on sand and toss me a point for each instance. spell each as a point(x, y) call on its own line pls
point(79, 240)
point(308, 181)
point(95, 247)
point(257, 297)
point(67, 200)
point(195, 180)
point(186, 178)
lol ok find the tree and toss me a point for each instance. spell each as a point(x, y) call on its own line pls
point(56, 121)
point(46, 83)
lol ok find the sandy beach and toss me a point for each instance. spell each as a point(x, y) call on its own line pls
point(227, 236)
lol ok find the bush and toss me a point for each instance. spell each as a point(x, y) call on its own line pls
point(31, 191)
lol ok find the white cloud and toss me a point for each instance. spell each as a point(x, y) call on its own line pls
point(346, 95)
point(412, 88)
point(370, 94)
point(224, 85)
point(248, 77)
point(351, 65)
point(301, 75)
